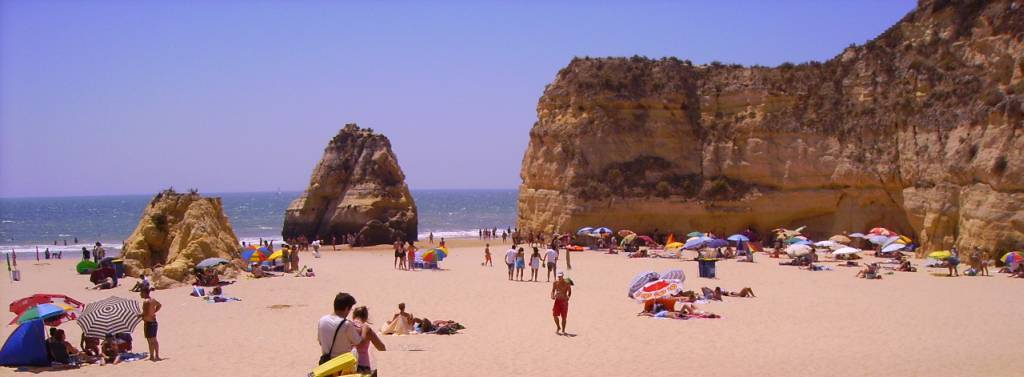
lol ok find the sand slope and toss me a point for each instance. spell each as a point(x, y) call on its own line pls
point(801, 323)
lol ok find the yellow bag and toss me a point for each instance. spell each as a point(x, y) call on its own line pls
point(342, 364)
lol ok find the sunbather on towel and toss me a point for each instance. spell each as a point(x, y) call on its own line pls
point(400, 324)
point(745, 292)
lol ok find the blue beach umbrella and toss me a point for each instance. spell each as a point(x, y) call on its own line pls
point(695, 243)
point(585, 230)
point(717, 243)
point(738, 238)
point(602, 230)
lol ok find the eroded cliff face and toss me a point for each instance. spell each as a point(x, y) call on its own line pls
point(176, 232)
point(357, 187)
point(917, 131)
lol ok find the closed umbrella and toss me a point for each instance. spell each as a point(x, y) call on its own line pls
point(210, 262)
point(658, 289)
point(112, 315)
point(640, 280)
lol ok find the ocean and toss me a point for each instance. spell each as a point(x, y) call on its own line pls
point(28, 223)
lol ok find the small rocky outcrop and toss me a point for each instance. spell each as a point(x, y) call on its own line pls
point(176, 232)
point(917, 130)
point(356, 188)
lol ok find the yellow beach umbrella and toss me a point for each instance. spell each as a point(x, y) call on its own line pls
point(674, 245)
point(940, 255)
point(277, 254)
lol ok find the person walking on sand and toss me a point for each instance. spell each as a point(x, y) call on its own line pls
point(520, 263)
point(487, 256)
point(316, 248)
point(551, 259)
point(510, 261)
point(953, 261)
point(534, 264)
point(150, 306)
point(561, 291)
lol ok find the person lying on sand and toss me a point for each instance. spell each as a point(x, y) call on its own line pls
point(905, 266)
point(745, 292)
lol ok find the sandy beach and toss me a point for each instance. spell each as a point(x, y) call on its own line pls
point(802, 322)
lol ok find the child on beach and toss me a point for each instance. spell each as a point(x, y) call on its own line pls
point(361, 317)
point(534, 264)
point(487, 256)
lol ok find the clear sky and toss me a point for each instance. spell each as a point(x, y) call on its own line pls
point(131, 97)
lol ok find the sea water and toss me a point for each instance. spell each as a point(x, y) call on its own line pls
point(30, 223)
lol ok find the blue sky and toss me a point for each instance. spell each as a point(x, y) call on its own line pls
point(112, 97)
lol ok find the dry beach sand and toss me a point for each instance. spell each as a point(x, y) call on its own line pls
point(809, 323)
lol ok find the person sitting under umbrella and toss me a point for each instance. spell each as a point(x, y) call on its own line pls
point(112, 349)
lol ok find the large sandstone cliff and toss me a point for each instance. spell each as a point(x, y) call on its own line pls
point(357, 187)
point(176, 232)
point(916, 130)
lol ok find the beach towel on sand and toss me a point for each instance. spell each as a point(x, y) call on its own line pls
point(400, 326)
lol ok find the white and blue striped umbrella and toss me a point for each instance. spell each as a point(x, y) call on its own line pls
point(640, 280)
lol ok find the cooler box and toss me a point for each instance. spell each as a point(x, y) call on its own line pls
point(344, 364)
point(118, 267)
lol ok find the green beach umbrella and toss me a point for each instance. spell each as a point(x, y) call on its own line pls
point(86, 266)
point(694, 234)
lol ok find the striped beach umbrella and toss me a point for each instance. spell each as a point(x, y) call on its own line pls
point(640, 280)
point(1012, 258)
point(112, 315)
point(658, 289)
point(674, 275)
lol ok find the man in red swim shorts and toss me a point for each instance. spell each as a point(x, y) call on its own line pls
point(561, 290)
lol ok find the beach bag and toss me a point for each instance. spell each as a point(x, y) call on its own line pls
point(343, 364)
point(324, 358)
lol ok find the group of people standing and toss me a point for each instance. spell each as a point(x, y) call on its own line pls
point(515, 260)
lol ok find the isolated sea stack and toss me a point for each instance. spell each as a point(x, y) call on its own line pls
point(356, 188)
point(917, 130)
point(176, 232)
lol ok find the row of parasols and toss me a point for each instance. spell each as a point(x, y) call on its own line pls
point(252, 254)
point(112, 315)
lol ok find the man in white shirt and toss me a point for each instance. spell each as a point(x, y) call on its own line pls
point(551, 258)
point(335, 333)
point(510, 260)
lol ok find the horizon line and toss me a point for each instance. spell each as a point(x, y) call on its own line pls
point(236, 192)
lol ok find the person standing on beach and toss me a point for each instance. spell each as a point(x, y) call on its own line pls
point(399, 255)
point(953, 262)
point(561, 291)
point(149, 308)
point(568, 261)
point(510, 261)
point(410, 257)
point(316, 248)
point(441, 245)
point(97, 252)
point(431, 237)
point(551, 259)
point(85, 253)
point(520, 263)
point(487, 256)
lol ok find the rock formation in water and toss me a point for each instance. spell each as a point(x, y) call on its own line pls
point(917, 130)
point(176, 232)
point(356, 188)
